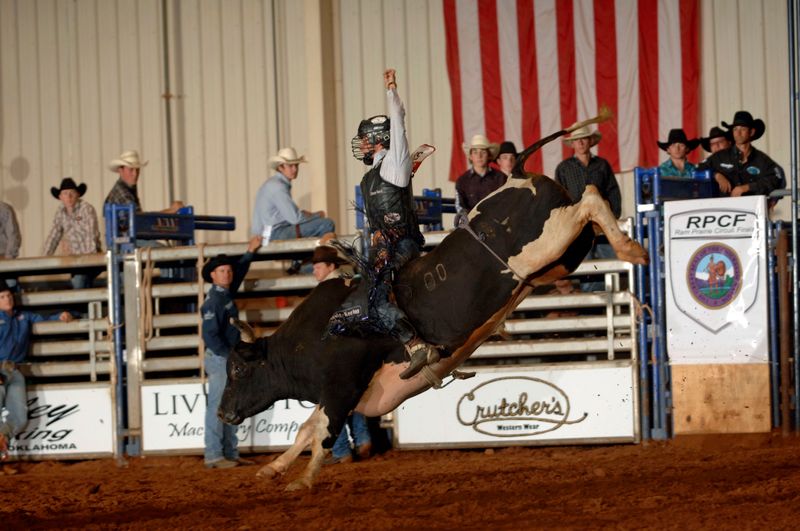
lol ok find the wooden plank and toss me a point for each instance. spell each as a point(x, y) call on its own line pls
point(721, 399)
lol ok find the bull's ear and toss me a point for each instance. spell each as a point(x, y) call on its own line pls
point(248, 335)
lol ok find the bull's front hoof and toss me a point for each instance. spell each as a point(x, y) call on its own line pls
point(267, 472)
point(634, 253)
point(298, 484)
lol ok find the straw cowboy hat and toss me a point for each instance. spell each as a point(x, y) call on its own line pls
point(714, 132)
point(68, 184)
point(286, 156)
point(746, 119)
point(128, 159)
point(584, 132)
point(481, 142)
point(679, 135)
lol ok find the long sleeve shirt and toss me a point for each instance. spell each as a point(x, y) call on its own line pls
point(396, 161)
point(122, 194)
point(574, 176)
point(79, 230)
point(219, 307)
point(668, 169)
point(275, 206)
point(10, 238)
point(15, 333)
point(759, 171)
point(471, 187)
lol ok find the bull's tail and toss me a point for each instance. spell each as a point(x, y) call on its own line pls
point(519, 167)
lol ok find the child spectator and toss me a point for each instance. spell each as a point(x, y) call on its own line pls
point(677, 147)
point(74, 227)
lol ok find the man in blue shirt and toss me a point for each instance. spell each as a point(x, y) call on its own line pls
point(15, 336)
point(220, 337)
point(678, 148)
point(275, 207)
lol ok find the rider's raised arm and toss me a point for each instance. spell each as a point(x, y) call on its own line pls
point(396, 167)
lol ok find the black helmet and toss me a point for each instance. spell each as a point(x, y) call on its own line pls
point(375, 131)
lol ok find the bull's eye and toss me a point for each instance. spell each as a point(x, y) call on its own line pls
point(239, 372)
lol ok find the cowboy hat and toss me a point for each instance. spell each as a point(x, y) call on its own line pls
point(507, 147)
point(679, 135)
point(714, 132)
point(68, 184)
point(212, 264)
point(129, 159)
point(327, 254)
point(584, 132)
point(286, 156)
point(746, 119)
point(481, 142)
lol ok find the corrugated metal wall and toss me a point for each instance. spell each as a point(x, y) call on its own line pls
point(82, 80)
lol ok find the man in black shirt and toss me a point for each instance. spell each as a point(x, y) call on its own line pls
point(481, 179)
point(742, 169)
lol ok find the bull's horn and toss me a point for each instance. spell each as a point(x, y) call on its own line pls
point(519, 167)
point(248, 335)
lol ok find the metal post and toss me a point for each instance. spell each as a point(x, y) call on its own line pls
point(775, 371)
point(115, 316)
point(793, 18)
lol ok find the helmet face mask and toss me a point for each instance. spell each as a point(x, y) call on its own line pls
point(371, 132)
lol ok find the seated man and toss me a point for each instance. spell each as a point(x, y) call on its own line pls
point(678, 148)
point(276, 211)
point(396, 239)
point(15, 336)
point(742, 169)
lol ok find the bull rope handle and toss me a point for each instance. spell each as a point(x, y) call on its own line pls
point(201, 285)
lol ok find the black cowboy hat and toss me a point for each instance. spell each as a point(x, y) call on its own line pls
point(714, 132)
point(324, 253)
point(679, 135)
point(746, 119)
point(4, 286)
point(211, 265)
point(68, 184)
point(507, 147)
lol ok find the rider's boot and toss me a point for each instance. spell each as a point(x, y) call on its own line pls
point(421, 354)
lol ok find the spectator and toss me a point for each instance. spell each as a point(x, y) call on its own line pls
point(326, 266)
point(75, 224)
point(582, 169)
point(220, 336)
point(10, 238)
point(717, 140)
point(507, 157)
point(678, 148)
point(481, 179)
point(275, 207)
point(15, 335)
point(742, 169)
point(124, 191)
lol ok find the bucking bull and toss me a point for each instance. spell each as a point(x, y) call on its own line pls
point(527, 233)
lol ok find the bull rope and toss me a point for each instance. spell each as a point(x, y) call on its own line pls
point(145, 295)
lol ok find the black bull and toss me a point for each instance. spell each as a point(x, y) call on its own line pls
point(456, 296)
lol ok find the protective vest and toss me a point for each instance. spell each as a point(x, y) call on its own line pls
point(389, 208)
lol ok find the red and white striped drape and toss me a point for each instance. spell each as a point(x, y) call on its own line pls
point(522, 69)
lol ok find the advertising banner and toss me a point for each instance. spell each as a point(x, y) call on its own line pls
point(716, 284)
point(504, 406)
point(173, 418)
point(66, 421)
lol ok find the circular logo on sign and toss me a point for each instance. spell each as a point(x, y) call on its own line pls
point(714, 275)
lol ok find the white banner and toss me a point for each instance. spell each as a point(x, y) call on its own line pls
point(66, 422)
point(524, 405)
point(173, 418)
point(716, 284)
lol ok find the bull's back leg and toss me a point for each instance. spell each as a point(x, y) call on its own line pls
point(595, 209)
point(305, 436)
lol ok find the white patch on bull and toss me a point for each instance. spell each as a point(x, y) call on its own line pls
point(510, 183)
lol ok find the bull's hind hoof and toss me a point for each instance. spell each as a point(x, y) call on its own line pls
point(298, 484)
point(267, 472)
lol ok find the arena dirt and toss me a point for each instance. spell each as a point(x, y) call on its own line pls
point(730, 482)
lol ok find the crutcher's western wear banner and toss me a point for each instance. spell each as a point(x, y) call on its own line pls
point(716, 284)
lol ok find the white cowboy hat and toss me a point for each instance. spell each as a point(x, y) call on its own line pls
point(286, 156)
point(584, 132)
point(481, 142)
point(129, 159)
